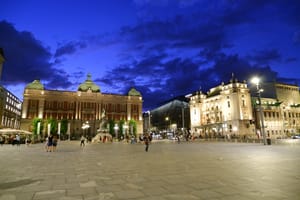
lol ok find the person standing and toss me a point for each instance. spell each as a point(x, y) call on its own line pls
point(27, 141)
point(50, 143)
point(54, 143)
point(178, 138)
point(146, 140)
point(82, 139)
point(18, 139)
point(1, 140)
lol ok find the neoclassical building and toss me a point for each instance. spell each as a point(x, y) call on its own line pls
point(225, 110)
point(86, 105)
point(281, 109)
point(232, 110)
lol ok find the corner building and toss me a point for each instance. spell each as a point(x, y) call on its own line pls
point(281, 109)
point(10, 109)
point(87, 104)
point(225, 111)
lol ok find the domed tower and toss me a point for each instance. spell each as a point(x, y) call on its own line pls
point(88, 85)
point(33, 100)
point(134, 108)
point(35, 85)
point(134, 92)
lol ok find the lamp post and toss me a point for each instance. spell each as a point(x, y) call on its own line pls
point(125, 126)
point(85, 126)
point(167, 120)
point(149, 121)
point(183, 115)
point(116, 128)
point(256, 81)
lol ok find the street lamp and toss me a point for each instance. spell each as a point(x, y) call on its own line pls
point(168, 123)
point(149, 121)
point(256, 81)
point(116, 128)
point(183, 115)
point(85, 126)
point(125, 126)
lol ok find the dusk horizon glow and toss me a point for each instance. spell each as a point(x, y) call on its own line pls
point(162, 48)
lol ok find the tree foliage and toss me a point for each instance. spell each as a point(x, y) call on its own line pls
point(63, 126)
point(111, 127)
point(121, 128)
point(53, 126)
point(132, 123)
point(35, 122)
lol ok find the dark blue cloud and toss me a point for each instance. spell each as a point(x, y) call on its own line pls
point(27, 59)
point(265, 56)
point(291, 59)
point(69, 48)
point(296, 37)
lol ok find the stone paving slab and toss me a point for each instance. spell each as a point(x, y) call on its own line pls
point(169, 171)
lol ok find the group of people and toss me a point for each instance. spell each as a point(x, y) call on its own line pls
point(13, 139)
point(51, 143)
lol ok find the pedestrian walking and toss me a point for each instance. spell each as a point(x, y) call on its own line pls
point(1, 140)
point(146, 140)
point(140, 138)
point(50, 143)
point(18, 140)
point(27, 141)
point(178, 139)
point(55, 143)
point(82, 140)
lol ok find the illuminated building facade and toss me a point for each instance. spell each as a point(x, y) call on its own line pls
point(281, 109)
point(86, 105)
point(225, 111)
point(10, 109)
point(231, 110)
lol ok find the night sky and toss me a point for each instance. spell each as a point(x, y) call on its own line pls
point(163, 48)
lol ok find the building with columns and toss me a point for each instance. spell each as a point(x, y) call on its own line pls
point(86, 105)
point(225, 111)
point(281, 109)
point(233, 110)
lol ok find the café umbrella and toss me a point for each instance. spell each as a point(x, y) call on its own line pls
point(14, 131)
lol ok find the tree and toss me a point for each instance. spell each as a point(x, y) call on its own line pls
point(35, 123)
point(132, 123)
point(111, 127)
point(53, 126)
point(63, 127)
point(121, 128)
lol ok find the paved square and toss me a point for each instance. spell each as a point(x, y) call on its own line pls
point(200, 170)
